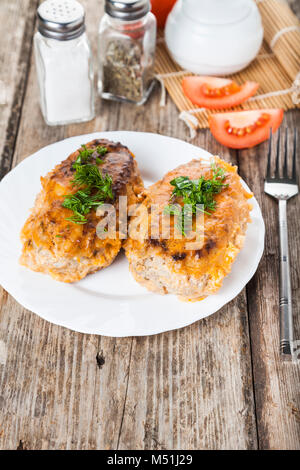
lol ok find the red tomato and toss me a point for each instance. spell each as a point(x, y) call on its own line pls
point(161, 9)
point(244, 129)
point(217, 93)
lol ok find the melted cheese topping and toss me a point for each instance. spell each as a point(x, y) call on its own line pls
point(49, 240)
point(224, 229)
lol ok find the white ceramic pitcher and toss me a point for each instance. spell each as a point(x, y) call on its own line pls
point(214, 37)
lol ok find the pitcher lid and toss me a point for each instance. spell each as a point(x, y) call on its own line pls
point(217, 12)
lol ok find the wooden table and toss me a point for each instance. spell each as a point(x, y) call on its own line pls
point(217, 384)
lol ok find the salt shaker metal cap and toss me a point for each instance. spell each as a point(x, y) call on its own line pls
point(61, 19)
point(127, 10)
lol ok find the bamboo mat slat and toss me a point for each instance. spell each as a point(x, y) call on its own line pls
point(276, 68)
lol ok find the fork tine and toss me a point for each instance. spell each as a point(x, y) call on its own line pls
point(285, 170)
point(277, 156)
point(268, 173)
point(294, 155)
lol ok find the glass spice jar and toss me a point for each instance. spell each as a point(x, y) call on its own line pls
point(64, 63)
point(126, 48)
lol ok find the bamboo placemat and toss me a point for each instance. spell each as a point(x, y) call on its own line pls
point(276, 68)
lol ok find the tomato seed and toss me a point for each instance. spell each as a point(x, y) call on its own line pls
point(241, 131)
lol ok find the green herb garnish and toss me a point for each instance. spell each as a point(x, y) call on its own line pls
point(85, 155)
point(183, 214)
point(95, 188)
point(90, 176)
point(101, 150)
point(81, 203)
point(193, 193)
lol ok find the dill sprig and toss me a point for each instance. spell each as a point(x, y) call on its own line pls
point(94, 187)
point(195, 192)
point(81, 203)
point(101, 150)
point(85, 155)
point(90, 177)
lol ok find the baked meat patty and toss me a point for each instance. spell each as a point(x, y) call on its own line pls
point(165, 265)
point(68, 250)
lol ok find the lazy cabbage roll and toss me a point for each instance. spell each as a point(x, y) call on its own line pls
point(191, 265)
point(59, 237)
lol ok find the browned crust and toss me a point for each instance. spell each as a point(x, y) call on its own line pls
point(67, 251)
point(192, 273)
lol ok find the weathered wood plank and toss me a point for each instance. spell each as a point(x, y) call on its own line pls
point(17, 20)
point(60, 378)
point(190, 388)
point(181, 412)
point(123, 381)
point(277, 394)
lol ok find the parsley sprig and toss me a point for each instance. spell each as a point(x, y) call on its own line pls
point(94, 187)
point(193, 193)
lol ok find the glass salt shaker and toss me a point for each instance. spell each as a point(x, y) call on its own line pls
point(64, 63)
point(126, 49)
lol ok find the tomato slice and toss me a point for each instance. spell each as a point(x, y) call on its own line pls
point(161, 9)
point(244, 129)
point(217, 93)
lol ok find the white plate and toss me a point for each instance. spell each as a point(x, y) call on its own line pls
point(109, 302)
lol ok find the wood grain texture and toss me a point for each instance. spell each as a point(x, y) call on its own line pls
point(17, 20)
point(187, 389)
point(126, 403)
point(277, 390)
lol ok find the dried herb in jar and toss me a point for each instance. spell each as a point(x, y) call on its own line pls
point(127, 38)
point(123, 73)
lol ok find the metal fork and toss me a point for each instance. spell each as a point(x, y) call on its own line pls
point(283, 187)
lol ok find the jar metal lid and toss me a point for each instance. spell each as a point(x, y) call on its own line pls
point(61, 19)
point(127, 10)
